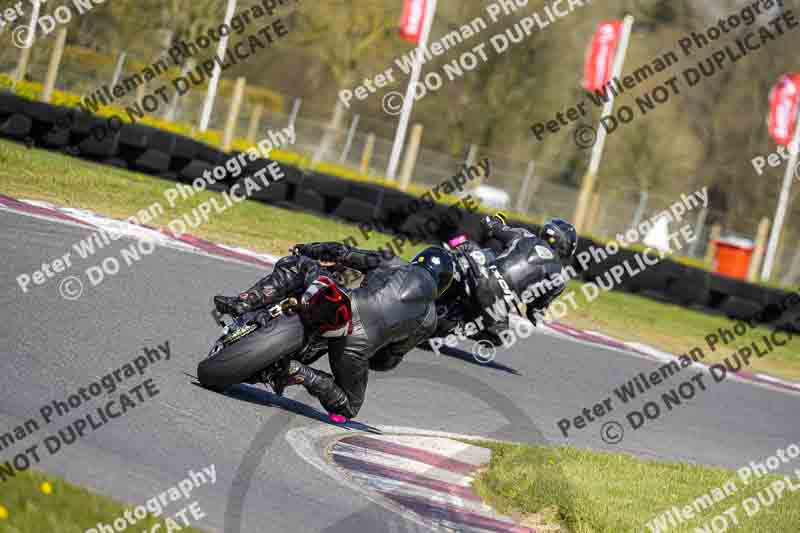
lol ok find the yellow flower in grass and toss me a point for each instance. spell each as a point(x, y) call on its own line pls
point(46, 487)
point(3, 513)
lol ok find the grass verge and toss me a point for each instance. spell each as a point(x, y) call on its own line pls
point(579, 491)
point(677, 330)
point(43, 175)
point(32, 502)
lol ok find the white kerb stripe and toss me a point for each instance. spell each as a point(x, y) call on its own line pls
point(400, 463)
point(452, 449)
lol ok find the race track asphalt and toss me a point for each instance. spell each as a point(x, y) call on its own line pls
point(53, 346)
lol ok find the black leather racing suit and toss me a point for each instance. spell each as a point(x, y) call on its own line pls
point(393, 311)
point(524, 261)
point(527, 263)
point(475, 292)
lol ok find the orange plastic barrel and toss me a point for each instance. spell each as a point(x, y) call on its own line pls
point(732, 257)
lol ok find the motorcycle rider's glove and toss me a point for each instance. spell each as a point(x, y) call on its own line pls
point(303, 249)
point(492, 223)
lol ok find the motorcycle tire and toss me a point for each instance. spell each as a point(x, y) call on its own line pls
point(238, 362)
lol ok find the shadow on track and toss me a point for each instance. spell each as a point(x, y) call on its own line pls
point(258, 396)
point(467, 357)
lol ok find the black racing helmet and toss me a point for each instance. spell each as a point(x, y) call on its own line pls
point(439, 263)
point(561, 236)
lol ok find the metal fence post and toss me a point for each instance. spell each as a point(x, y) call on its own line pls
point(255, 118)
point(118, 68)
point(411, 156)
point(639, 213)
point(55, 63)
point(349, 142)
point(233, 114)
point(524, 192)
point(698, 231)
point(366, 155)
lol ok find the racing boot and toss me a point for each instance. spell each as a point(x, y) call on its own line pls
point(299, 374)
point(319, 384)
point(243, 303)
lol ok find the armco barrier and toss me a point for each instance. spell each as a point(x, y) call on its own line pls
point(183, 159)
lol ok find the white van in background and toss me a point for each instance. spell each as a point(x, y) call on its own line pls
point(491, 196)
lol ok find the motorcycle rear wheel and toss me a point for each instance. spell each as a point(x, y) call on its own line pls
point(236, 363)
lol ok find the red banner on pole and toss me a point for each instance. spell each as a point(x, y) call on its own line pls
point(783, 101)
point(413, 19)
point(600, 55)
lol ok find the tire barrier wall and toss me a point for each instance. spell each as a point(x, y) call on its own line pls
point(178, 158)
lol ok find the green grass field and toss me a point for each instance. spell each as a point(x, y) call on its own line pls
point(578, 491)
point(675, 329)
point(43, 175)
point(34, 503)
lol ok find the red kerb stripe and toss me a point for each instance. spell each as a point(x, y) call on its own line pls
point(436, 511)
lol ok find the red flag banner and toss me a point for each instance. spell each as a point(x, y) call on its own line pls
point(413, 19)
point(600, 55)
point(783, 101)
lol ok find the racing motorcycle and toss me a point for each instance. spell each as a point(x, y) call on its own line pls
point(475, 267)
point(254, 348)
point(257, 347)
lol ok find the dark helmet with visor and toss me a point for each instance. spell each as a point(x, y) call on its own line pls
point(439, 262)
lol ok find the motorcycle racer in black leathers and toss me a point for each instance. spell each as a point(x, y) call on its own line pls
point(520, 268)
point(535, 263)
point(370, 327)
